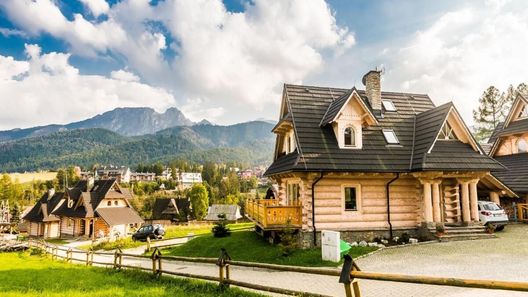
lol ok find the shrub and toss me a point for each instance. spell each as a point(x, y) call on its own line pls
point(220, 228)
point(404, 238)
point(288, 241)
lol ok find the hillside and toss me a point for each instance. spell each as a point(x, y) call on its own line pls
point(247, 142)
point(125, 121)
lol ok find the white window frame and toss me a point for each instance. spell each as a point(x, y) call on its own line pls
point(385, 131)
point(354, 138)
point(388, 105)
point(358, 198)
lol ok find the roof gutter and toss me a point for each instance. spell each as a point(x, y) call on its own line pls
point(387, 191)
point(313, 208)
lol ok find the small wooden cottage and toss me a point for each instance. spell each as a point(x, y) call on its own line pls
point(40, 220)
point(371, 163)
point(166, 211)
point(96, 209)
point(231, 212)
point(510, 147)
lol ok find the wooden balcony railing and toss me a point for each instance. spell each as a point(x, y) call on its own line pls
point(269, 214)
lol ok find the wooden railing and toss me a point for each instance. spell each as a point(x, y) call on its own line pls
point(269, 214)
point(348, 276)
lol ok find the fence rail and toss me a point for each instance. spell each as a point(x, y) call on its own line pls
point(348, 275)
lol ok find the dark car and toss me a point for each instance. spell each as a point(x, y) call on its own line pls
point(149, 231)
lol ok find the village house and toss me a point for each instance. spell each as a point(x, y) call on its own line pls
point(40, 220)
point(142, 177)
point(91, 209)
point(371, 163)
point(510, 147)
point(167, 211)
point(188, 179)
point(121, 174)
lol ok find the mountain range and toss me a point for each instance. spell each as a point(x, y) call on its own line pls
point(129, 136)
point(128, 121)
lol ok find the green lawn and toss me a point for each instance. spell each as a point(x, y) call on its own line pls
point(248, 246)
point(180, 231)
point(22, 275)
point(56, 241)
point(170, 232)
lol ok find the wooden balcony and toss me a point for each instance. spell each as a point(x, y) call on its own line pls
point(270, 215)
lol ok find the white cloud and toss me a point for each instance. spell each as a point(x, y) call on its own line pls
point(464, 52)
point(231, 61)
point(97, 7)
point(124, 75)
point(47, 89)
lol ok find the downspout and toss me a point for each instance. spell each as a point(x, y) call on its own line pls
point(387, 187)
point(313, 208)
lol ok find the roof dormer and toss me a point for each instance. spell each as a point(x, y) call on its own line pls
point(348, 115)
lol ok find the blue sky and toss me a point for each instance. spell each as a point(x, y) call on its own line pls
point(62, 61)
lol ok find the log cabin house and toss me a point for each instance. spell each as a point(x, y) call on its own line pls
point(41, 222)
point(90, 209)
point(510, 147)
point(369, 163)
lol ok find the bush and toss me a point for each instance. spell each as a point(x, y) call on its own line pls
point(288, 241)
point(220, 228)
point(404, 238)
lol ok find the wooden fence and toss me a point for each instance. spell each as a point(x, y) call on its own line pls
point(348, 275)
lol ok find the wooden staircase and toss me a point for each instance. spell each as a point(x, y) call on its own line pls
point(451, 206)
point(454, 233)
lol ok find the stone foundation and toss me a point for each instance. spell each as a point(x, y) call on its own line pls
point(306, 237)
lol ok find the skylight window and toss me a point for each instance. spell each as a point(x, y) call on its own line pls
point(388, 105)
point(390, 136)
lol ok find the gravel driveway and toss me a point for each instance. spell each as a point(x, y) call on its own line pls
point(502, 258)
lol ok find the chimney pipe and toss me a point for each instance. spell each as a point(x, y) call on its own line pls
point(372, 82)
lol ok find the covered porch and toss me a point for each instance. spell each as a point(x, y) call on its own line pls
point(269, 214)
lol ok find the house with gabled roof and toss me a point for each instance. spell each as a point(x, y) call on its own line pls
point(96, 209)
point(509, 145)
point(41, 222)
point(371, 163)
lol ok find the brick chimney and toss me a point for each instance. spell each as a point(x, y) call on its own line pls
point(372, 82)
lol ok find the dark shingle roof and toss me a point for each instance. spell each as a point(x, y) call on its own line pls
point(161, 205)
point(516, 177)
point(496, 132)
point(318, 148)
point(41, 212)
point(514, 127)
point(91, 198)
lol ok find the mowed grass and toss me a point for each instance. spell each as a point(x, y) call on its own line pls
point(200, 229)
point(248, 246)
point(170, 232)
point(22, 275)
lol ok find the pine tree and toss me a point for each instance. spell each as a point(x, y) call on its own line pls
point(493, 107)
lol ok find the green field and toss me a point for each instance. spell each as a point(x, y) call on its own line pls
point(171, 232)
point(248, 246)
point(22, 275)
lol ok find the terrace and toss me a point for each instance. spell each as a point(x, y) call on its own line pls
point(269, 214)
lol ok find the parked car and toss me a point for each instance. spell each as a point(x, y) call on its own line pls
point(491, 213)
point(155, 231)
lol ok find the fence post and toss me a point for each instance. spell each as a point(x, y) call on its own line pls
point(69, 255)
point(120, 259)
point(115, 259)
point(222, 263)
point(351, 285)
point(148, 244)
point(156, 260)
